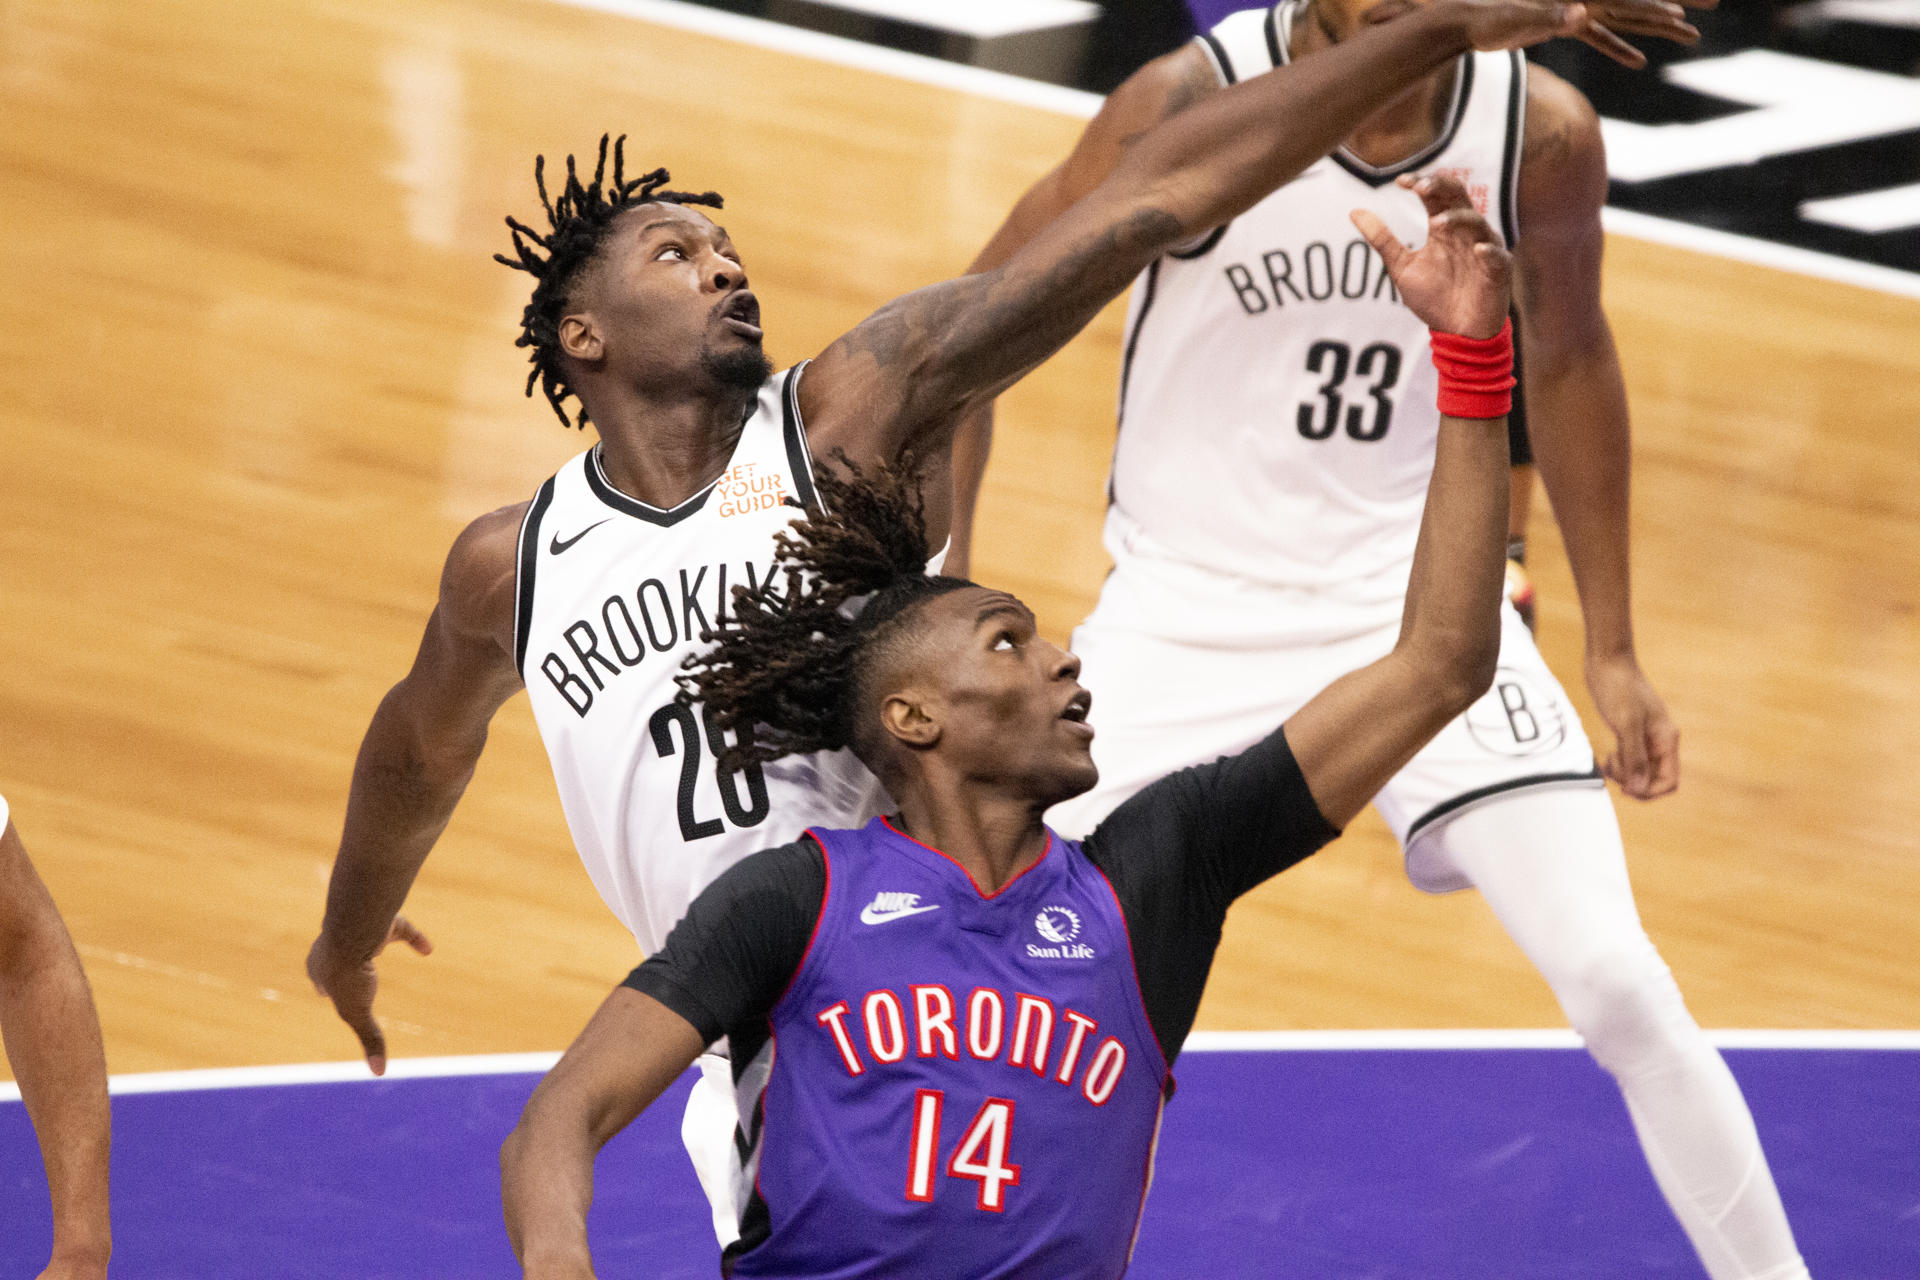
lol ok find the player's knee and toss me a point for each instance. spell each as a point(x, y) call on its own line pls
point(1624, 1003)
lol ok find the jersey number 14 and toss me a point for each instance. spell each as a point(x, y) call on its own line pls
point(980, 1157)
point(1378, 370)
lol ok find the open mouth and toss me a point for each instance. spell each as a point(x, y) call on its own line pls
point(1075, 712)
point(741, 313)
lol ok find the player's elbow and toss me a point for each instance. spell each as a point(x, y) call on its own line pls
point(1458, 669)
point(1471, 670)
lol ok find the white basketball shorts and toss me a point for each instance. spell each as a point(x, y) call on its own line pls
point(1186, 666)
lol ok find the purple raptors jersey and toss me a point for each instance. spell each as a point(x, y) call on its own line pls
point(961, 1085)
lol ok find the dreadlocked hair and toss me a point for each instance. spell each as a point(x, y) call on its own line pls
point(788, 676)
point(579, 220)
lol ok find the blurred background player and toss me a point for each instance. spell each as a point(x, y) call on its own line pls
point(1275, 445)
point(52, 1038)
point(591, 593)
point(956, 979)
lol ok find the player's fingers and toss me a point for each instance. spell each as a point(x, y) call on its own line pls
point(1612, 45)
point(1442, 192)
point(373, 1041)
point(1384, 242)
point(1631, 753)
point(1663, 740)
point(403, 930)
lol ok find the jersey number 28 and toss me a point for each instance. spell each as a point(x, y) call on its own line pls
point(1379, 363)
point(748, 811)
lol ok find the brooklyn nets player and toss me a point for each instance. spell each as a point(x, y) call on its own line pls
point(593, 592)
point(1275, 444)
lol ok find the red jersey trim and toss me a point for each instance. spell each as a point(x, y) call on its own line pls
point(1133, 966)
point(988, 897)
point(819, 918)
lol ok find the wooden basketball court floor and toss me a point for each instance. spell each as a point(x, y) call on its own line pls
point(256, 370)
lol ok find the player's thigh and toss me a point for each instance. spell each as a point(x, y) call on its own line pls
point(1550, 863)
point(1521, 735)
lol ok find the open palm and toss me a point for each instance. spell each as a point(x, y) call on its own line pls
point(1514, 24)
point(1461, 280)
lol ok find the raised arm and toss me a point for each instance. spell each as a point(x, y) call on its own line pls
point(1578, 423)
point(632, 1050)
point(53, 1044)
point(1167, 85)
point(903, 377)
point(414, 764)
point(1360, 731)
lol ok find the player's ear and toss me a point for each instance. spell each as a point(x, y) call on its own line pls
point(580, 338)
point(906, 720)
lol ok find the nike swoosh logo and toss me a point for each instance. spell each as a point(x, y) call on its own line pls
point(869, 916)
point(560, 544)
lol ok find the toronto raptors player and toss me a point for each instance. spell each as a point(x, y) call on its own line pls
point(1275, 444)
point(976, 1020)
point(591, 593)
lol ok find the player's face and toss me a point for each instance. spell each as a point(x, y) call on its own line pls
point(670, 301)
point(1008, 701)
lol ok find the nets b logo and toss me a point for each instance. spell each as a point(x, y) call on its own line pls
point(1518, 716)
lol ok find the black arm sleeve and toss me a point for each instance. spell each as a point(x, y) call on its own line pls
point(1181, 851)
point(726, 963)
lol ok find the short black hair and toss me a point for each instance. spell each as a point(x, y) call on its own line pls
point(579, 220)
point(788, 676)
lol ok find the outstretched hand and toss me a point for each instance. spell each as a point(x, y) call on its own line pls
point(351, 986)
point(1514, 24)
point(1461, 280)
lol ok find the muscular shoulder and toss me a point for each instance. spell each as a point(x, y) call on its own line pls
point(1158, 91)
point(1563, 161)
point(477, 584)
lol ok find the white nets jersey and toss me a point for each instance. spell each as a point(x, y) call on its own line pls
point(612, 595)
point(1277, 418)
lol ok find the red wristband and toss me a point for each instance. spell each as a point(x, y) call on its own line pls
point(1476, 374)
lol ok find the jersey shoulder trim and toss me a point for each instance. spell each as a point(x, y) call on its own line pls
point(810, 836)
point(1510, 156)
point(1235, 44)
point(794, 430)
point(525, 563)
point(1147, 291)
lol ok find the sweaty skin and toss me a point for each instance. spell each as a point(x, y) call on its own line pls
point(660, 333)
point(975, 740)
point(1575, 393)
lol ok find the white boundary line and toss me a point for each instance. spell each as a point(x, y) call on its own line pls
point(497, 1064)
point(851, 53)
point(1075, 102)
point(1522, 1038)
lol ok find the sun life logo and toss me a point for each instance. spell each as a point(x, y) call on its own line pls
point(1059, 926)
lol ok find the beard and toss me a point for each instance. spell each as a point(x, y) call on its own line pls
point(741, 368)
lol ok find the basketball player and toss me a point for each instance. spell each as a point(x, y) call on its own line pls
point(52, 1038)
point(621, 564)
point(975, 1018)
point(1275, 440)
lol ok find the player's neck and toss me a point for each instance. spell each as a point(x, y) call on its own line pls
point(993, 836)
point(1403, 127)
point(665, 451)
